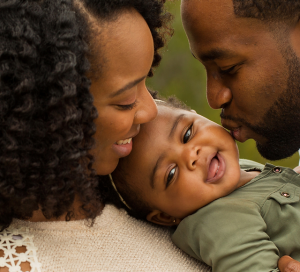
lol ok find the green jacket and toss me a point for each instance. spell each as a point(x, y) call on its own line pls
point(250, 229)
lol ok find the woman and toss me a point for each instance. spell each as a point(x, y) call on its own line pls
point(72, 96)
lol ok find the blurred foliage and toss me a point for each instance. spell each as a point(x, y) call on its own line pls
point(180, 74)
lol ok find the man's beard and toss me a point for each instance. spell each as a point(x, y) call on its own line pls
point(281, 123)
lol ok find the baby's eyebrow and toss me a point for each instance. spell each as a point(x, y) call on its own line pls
point(163, 155)
point(158, 162)
point(175, 124)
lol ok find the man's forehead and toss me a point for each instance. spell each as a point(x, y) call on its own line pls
point(208, 19)
point(213, 30)
point(198, 8)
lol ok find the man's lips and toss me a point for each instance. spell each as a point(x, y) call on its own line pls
point(238, 132)
point(216, 168)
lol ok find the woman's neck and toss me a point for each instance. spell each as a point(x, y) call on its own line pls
point(247, 176)
point(79, 214)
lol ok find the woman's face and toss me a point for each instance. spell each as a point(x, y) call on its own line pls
point(120, 95)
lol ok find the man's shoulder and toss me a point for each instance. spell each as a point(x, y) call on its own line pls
point(249, 165)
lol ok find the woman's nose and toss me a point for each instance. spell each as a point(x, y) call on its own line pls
point(218, 94)
point(147, 109)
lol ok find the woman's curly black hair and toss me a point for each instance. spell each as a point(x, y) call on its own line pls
point(46, 109)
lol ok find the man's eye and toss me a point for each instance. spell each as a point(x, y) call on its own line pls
point(170, 176)
point(127, 107)
point(187, 135)
point(227, 71)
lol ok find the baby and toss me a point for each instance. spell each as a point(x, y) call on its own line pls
point(234, 215)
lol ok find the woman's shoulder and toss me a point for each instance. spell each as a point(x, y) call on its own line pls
point(17, 251)
point(115, 242)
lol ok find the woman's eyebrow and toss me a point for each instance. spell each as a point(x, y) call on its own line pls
point(127, 86)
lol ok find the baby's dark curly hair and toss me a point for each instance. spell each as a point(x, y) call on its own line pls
point(46, 109)
point(139, 208)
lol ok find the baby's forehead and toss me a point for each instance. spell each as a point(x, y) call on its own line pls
point(165, 110)
point(166, 116)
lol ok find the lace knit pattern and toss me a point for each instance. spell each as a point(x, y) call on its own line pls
point(116, 242)
point(9, 241)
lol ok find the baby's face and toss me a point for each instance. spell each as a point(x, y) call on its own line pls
point(182, 161)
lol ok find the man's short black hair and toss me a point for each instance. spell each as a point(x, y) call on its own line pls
point(269, 10)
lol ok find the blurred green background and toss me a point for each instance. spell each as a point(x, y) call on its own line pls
point(182, 75)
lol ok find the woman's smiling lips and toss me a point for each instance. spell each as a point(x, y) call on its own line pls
point(216, 168)
point(123, 147)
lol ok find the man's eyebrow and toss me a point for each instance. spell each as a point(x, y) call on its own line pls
point(127, 86)
point(175, 124)
point(152, 181)
point(217, 53)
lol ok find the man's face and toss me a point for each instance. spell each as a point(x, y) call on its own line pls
point(251, 75)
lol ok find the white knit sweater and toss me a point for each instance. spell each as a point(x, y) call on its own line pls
point(116, 242)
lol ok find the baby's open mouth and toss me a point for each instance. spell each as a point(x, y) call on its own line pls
point(213, 169)
point(123, 142)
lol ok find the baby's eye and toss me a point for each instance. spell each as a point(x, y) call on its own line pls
point(170, 176)
point(187, 135)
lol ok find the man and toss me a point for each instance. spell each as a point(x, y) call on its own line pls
point(251, 52)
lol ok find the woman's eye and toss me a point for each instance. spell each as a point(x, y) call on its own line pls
point(187, 135)
point(127, 107)
point(170, 176)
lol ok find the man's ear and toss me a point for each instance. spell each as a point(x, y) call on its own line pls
point(160, 218)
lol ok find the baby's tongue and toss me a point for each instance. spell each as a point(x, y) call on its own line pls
point(213, 167)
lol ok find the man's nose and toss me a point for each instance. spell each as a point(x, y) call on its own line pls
point(218, 94)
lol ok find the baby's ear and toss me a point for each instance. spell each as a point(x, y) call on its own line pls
point(161, 218)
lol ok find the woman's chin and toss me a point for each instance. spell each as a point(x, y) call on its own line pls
point(106, 166)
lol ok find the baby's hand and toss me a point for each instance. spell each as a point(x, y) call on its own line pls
point(288, 264)
point(297, 169)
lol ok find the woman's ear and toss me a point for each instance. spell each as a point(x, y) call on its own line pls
point(161, 218)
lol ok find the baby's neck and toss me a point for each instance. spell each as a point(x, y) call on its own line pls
point(246, 177)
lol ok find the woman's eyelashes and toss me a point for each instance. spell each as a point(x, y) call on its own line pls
point(127, 107)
